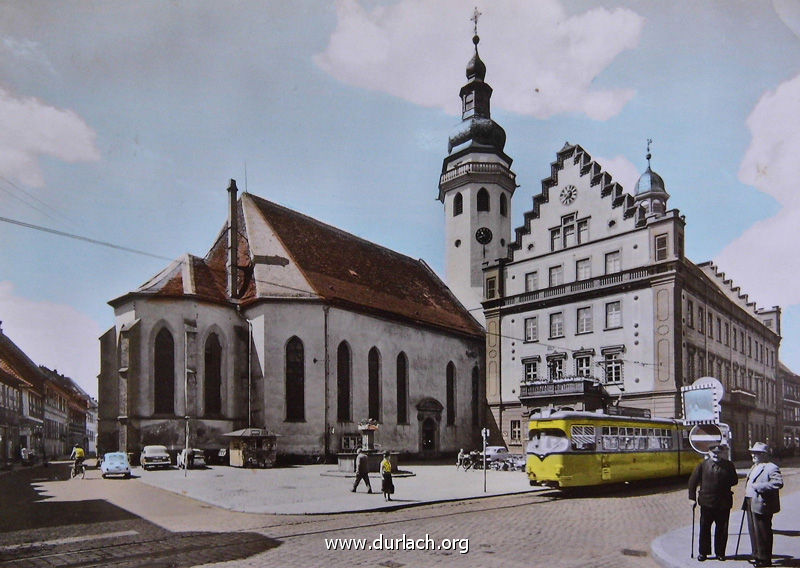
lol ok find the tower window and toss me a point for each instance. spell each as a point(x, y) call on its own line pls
point(483, 199)
point(503, 205)
point(458, 204)
point(661, 247)
point(491, 287)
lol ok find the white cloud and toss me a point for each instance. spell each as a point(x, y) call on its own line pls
point(556, 57)
point(30, 129)
point(764, 259)
point(54, 335)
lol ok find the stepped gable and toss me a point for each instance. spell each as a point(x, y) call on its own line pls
point(349, 271)
point(599, 177)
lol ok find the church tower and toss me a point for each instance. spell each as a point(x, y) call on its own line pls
point(476, 187)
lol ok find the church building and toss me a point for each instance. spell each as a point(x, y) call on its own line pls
point(298, 327)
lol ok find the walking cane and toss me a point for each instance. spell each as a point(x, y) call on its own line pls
point(741, 524)
point(694, 506)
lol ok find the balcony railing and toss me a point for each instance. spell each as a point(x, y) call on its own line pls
point(597, 283)
point(563, 387)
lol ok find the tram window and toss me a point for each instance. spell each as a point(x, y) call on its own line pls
point(583, 437)
point(547, 441)
point(610, 442)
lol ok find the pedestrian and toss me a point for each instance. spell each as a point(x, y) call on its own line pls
point(387, 486)
point(460, 459)
point(761, 501)
point(715, 476)
point(362, 470)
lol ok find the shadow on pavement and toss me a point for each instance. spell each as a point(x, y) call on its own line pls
point(34, 528)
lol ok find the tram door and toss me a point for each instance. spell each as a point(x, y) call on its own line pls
point(605, 467)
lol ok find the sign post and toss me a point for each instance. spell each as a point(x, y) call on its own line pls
point(484, 435)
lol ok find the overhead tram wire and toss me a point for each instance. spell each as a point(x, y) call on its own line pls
point(81, 238)
point(48, 207)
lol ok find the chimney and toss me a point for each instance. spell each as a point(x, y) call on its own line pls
point(233, 241)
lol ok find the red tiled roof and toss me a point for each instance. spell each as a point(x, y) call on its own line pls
point(340, 267)
point(349, 270)
point(16, 366)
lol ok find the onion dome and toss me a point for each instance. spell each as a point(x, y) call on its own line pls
point(649, 181)
point(480, 131)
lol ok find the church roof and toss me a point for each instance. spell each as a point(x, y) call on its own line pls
point(337, 267)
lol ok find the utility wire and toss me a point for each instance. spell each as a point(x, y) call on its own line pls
point(80, 238)
point(15, 186)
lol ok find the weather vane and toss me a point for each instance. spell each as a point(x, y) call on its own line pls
point(649, 141)
point(474, 18)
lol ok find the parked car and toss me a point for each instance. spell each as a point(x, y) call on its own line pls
point(495, 453)
point(115, 463)
point(192, 458)
point(155, 456)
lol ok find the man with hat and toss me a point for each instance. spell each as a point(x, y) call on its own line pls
point(715, 476)
point(761, 501)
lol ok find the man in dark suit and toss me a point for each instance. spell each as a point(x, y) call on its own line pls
point(761, 501)
point(362, 470)
point(715, 476)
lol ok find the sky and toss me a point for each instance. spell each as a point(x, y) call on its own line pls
point(122, 122)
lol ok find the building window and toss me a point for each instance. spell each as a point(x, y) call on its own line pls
point(555, 368)
point(583, 366)
point(491, 287)
point(613, 367)
point(690, 313)
point(343, 370)
point(213, 375)
point(531, 329)
point(531, 281)
point(556, 275)
point(556, 325)
point(503, 205)
point(710, 328)
point(516, 430)
point(571, 232)
point(451, 394)
point(295, 381)
point(661, 247)
point(733, 337)
point(483, 199)
point(583, 231)
point(727, 334)
point(613, 262)
point(476, 392)
point(583, 269)
point(584, 320)
point(164, 373)
point(531, 370)
point(613, 315)
point(458, 204)
point(469, 104)
point(374, 384)
point(402, 388)
point(700, 320)
point(719, 330)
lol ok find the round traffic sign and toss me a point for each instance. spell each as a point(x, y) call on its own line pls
point(703, 436)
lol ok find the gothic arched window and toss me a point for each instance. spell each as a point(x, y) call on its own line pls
point(213, 371)
point(295, 381)
point(402, 389)
point(343, 382)
point(374, 370)
point(451, 394)
point(503, 205)
point(458, 204)
point(164, 373)
point(483, 199)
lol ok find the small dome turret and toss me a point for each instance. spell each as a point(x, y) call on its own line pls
point(649, 181)
point(650, 193)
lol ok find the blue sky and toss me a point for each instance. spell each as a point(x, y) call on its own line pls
point(123, 121)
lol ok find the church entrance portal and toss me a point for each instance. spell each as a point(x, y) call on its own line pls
point(429, 416)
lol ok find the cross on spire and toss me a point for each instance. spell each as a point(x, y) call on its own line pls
point(475, 16)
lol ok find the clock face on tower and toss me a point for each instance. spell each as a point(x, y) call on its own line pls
point(568, 194)
point(483, 235)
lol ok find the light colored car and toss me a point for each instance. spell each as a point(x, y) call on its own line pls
point(196, 458)
point(155, 456)
point(494, 453)
point(115, 463)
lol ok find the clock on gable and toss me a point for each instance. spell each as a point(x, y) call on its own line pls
point(568, 194)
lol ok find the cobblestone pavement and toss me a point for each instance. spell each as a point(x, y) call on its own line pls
point(48, 520)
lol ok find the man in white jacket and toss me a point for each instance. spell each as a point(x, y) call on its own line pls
point(761, 501)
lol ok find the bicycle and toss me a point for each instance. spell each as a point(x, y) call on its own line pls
point(77, 469)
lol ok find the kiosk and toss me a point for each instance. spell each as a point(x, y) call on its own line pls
point(252, 447)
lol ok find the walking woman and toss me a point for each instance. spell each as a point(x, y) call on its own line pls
point(386, 471)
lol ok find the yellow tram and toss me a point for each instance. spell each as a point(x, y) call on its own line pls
point(577, 449)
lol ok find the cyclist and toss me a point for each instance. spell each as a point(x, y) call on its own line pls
point(78, 455)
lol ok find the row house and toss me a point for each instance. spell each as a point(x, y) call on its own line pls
point(789, 410)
